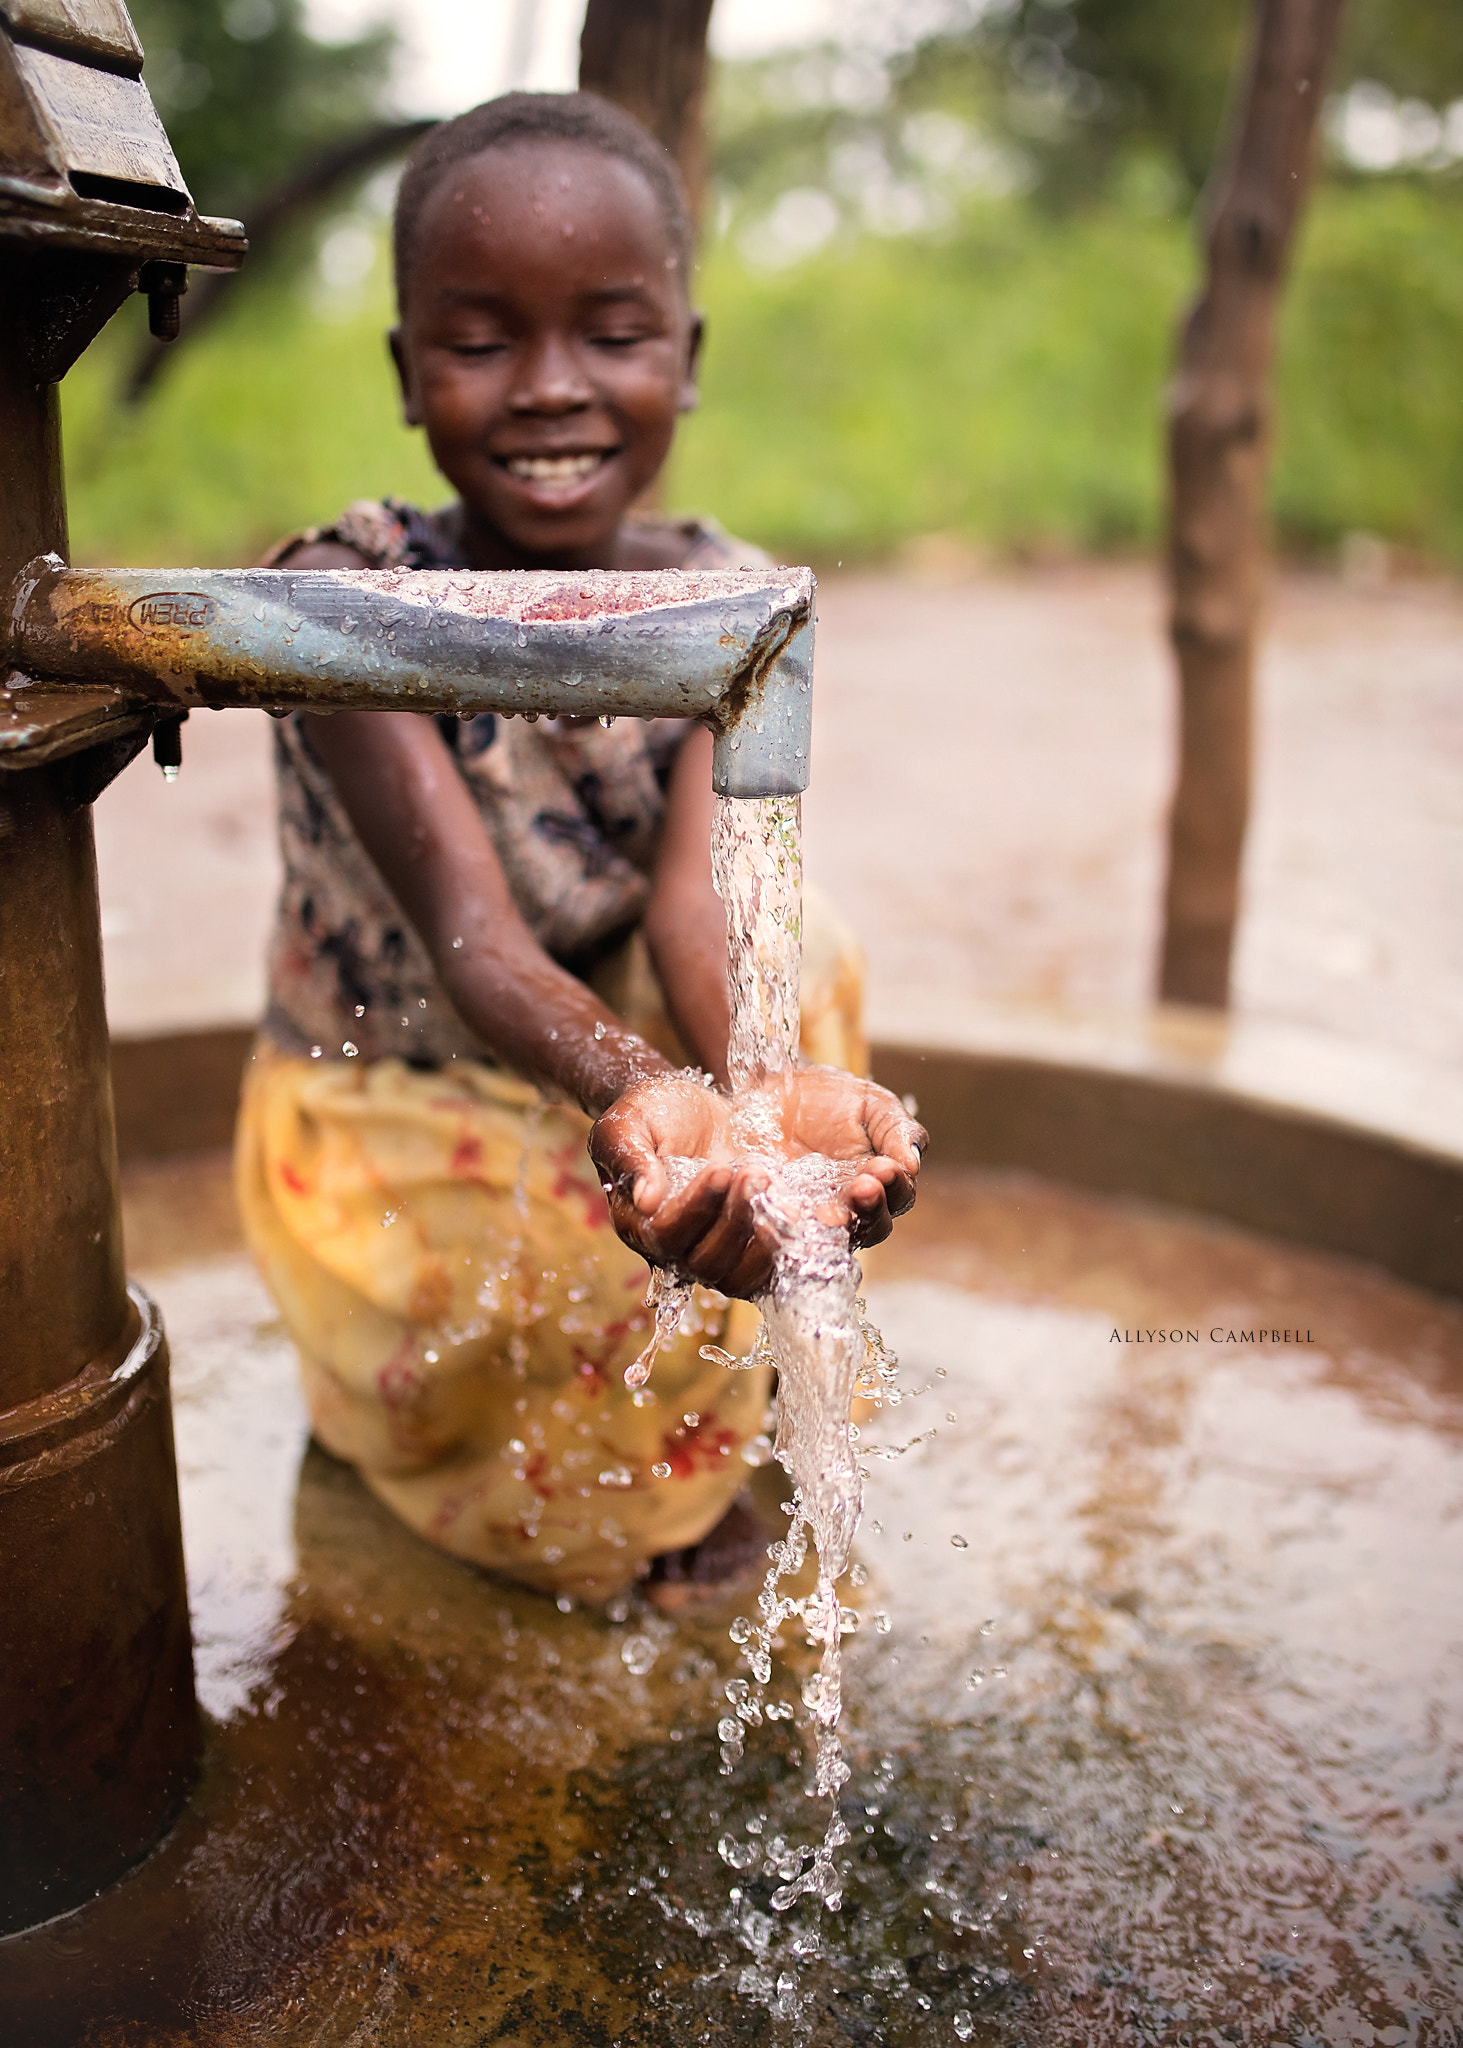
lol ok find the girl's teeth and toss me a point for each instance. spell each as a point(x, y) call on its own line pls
point(554, 469)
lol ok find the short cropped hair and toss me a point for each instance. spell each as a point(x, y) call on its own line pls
point(581, 117)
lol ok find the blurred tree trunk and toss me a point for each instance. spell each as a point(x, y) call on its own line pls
point(649, 57)
point(1219, 422)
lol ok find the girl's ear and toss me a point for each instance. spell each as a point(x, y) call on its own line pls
point(690, 397)
point(411, 411)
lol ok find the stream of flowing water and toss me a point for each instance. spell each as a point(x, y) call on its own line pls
point(814, 1328)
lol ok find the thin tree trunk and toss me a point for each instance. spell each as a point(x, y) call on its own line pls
point(649, 56)
point(1219, 420)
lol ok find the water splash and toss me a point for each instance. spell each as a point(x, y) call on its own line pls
point(814, 1326)
point(667, 1297)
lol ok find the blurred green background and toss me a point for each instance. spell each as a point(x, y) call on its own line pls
point(942, 273)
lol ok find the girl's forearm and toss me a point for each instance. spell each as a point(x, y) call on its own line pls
point(543, 1023)
point(420, 826)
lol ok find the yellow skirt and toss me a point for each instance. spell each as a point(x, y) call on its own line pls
point(441, 1254)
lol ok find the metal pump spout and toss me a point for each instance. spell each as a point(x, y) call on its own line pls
point(732, 648)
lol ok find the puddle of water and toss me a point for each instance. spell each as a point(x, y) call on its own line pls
point(1168, 1751)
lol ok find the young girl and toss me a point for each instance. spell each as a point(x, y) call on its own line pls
point(492, 932)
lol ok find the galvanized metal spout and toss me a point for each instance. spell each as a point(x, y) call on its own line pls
point(733, 648)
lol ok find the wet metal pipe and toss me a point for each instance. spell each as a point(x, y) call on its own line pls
point(733, 647)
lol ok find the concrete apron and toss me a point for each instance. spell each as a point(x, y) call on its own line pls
point(1169, 1737)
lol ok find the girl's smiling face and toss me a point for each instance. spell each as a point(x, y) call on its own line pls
point(547, 346)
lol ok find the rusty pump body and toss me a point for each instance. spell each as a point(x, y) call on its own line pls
point(99, 1730)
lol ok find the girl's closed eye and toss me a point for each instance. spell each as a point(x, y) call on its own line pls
point(621, 318)
point(468, 330)
point(618, 336)
point(475, 341)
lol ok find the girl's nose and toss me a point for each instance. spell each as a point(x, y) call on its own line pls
point(551, 377)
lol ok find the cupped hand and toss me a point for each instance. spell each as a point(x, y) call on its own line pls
point(711, 1225)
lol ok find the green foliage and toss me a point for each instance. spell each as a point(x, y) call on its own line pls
point(1371, 419)
point(1078, 96)
point(272, 420)
point(1007, 384)
point(1413, 47)
point(245, 91)
point(1086, 80)
point(786, 121)
point(1002, 382)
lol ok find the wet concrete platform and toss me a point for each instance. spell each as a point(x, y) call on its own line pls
point(1155, 1711)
